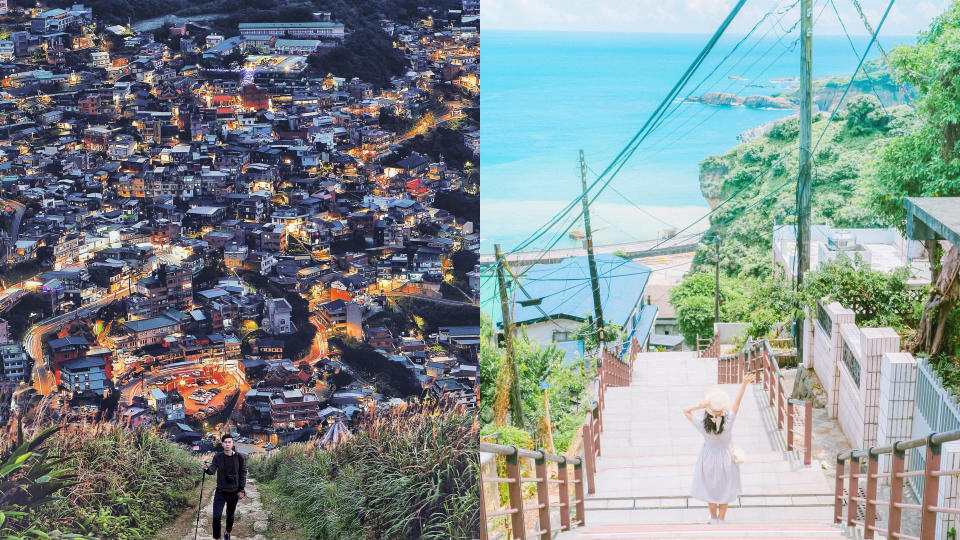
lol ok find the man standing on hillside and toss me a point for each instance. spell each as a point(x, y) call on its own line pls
point(231, 470)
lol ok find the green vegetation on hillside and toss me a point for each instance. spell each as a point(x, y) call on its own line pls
point(841, 168)
point(874, 79)
point(568, 392)
point(367, 53)
point(768, 306)
point(408, 473)
point(122, 483)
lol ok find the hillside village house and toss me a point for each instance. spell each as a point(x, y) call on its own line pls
point(548, 317)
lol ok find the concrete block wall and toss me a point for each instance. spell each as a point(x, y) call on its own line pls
point(898, 387)
point(859, 404)
point(826, 352)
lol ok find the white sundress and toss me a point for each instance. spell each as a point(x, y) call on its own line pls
point(716, 478)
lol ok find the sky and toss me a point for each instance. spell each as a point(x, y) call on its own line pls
point(695, 16)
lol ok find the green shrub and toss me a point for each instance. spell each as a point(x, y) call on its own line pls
point(785, 130)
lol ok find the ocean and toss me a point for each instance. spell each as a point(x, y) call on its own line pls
point(546, 95)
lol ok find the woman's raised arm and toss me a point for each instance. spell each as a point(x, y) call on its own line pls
point(688, 412)
point(747, 379)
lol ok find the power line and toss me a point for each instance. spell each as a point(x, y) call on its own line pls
point(867, 75)
point(658, 112)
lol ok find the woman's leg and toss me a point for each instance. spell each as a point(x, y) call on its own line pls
point(713, 510)
point(722, 510)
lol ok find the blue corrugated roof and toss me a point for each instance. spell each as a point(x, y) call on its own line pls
point(641, 330)
point(565, 290)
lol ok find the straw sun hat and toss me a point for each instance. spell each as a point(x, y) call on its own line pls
point(718, 403)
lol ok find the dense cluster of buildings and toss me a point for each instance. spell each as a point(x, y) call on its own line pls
point(145, 181)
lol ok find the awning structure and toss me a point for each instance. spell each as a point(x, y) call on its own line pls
point(933, 218)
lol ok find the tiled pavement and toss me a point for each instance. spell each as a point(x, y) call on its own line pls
point(649, 450)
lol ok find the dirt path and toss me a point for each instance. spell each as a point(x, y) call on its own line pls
point(251, 521)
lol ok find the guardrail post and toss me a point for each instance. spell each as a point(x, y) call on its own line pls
point(588, 455)
point(543, 495)
point(896, 491)
point(838, 492)
point(564, 488)
point(852, 490)
point(780, 408)
point(870, 508)
point(789, 426)
point(578, 491)
point(808, 432)
point(599, 410)
point(931, 489)
point(595, 431)
point(484, 533)
point(518, 530)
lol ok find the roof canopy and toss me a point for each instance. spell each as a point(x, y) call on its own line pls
point(933, 218)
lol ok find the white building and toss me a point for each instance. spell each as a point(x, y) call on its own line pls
point(213, 40)
point(277, 316)
point(100, 59)
point(884, 250)
point(307, 30)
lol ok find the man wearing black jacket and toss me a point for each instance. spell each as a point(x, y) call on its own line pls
point(231, 470)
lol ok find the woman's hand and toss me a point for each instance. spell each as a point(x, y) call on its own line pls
point(751, 378)
point(239, 495)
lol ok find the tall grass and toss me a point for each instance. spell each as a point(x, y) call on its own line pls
point(408, 473)
point(125, 484)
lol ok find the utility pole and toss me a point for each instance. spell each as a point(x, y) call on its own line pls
point(806, 105)
point(591, 262)
point(509, 378)
point(806, 161)
point(716, 282)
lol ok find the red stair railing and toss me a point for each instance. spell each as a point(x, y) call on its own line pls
point(849, 466)
point(611, 372)
point(757, 357)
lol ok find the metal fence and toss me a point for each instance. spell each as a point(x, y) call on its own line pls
point(935, 410)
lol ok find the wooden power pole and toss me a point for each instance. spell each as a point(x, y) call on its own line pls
point(508, 390)
point(806, 106)
point(716, 282)
point(806, 161)
point(591, 262)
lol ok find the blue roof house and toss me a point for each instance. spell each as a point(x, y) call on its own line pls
point(554, 299)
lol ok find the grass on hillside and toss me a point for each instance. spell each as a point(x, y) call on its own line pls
point(128, 484)
point(407, 473)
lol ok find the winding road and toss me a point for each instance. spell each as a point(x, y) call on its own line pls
point(43, 378)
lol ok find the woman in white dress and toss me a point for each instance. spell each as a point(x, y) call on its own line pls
point(716, 477)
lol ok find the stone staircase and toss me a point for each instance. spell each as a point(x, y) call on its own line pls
point(649, 450)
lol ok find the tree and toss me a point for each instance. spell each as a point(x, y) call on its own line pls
point(367, 53)
point(865, 115)
point(924, 163)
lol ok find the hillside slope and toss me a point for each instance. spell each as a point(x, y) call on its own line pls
point(764, 164)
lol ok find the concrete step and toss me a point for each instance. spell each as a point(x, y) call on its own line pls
point(746, 500)
point(784, 530)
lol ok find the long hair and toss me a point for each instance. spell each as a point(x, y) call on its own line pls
point(710, 427)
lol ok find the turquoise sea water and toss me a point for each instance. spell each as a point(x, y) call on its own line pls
point(546, 95)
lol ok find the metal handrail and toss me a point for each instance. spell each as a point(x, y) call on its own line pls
point(929, 496)
point(900, 446)
point(504, 450)
point(771, 377)
point(584, 468)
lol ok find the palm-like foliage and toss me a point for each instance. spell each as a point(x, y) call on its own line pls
point(29, 478)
